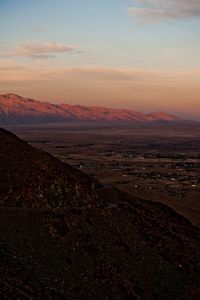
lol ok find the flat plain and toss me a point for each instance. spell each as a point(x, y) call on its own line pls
point(155, 162)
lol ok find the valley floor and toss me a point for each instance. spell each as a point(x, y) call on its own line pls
point(157, 164)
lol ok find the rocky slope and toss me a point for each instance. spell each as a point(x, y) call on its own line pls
point(73, 238)
point(15, 109)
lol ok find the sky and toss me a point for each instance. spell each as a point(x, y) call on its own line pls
point(136, 54)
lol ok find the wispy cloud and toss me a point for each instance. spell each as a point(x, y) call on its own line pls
point(41, 50)
point(152, 89)
point(7, 66)
point(128, 75)
point(10, 71)
point(165, 10)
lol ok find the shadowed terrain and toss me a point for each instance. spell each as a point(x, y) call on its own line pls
point(76, 238)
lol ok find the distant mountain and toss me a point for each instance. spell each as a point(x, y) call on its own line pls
point(64, 235)
point(16, 109)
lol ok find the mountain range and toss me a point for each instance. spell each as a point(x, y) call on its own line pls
point(16, 109)
point(64, 235)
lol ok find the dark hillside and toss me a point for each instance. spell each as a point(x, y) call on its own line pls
point(73, 238)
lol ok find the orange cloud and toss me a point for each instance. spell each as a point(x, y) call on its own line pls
point(97, 73)
point(147, 90)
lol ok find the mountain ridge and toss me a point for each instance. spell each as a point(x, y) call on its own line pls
point(17, 109)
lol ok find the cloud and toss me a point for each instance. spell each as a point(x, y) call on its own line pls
point(152, 89)
point(7, 65)
point(127, 75)
point(165, 10)
point(42, 50)
point(10, 72)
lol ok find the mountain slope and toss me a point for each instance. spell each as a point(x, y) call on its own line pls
point(34, 179)
point(16, 109)
point(76, 239)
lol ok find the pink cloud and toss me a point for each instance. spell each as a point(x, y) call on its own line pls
point(42, 50)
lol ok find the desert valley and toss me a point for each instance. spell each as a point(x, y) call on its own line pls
point(99, 150)
point(122, 194)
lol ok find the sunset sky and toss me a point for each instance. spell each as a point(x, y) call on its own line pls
point(142, 54)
